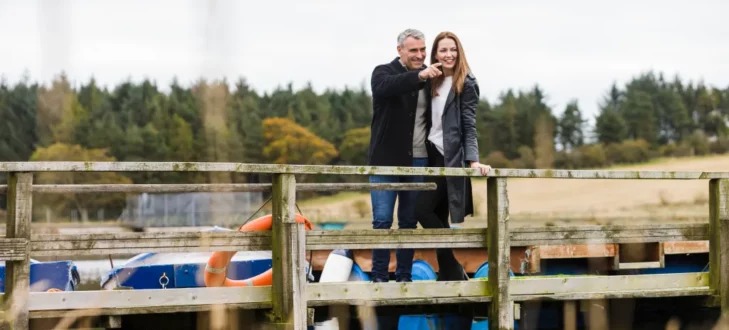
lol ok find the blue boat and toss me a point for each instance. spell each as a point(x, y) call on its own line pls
point(44, 276)
point(186, 270)
point(180, 270)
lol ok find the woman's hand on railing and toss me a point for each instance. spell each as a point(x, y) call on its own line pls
point(484, 168)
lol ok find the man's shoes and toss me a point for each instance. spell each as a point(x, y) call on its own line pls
point(402, 279)
point(380, 280)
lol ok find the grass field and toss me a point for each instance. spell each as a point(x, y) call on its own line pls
point(559, 201)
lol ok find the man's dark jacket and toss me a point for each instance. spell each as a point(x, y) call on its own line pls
point(394, 100)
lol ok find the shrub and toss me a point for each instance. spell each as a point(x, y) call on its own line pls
point(496, 159)
point(592, 155)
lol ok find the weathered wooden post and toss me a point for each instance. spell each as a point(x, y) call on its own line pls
point(17, 272)
point(719, 241)
point(288, 248)
point(501, 314)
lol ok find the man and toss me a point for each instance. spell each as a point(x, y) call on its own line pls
point(398, 139)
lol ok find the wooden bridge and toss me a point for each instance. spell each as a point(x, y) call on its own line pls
point(287, 301)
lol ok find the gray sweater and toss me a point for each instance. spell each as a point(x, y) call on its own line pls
point(419, 150)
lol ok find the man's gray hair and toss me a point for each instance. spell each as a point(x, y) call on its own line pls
point(409, 33)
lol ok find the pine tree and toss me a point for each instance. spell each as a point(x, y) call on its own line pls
point(570, 126)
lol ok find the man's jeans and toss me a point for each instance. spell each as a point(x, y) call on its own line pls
point(383, 206)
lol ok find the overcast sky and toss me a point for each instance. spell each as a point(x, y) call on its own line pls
point(572, 48)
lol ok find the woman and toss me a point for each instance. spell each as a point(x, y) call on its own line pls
point(451, 142)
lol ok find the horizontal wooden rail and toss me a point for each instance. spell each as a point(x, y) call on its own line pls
point(234, 187)
point(48, 245)
point(392, 293)
point(129, 243)
point(246, 297)
point(12, 248)
point(347, 170)
point(609, 234)
point(395, 238)
point(594, 287)
point(121, 302)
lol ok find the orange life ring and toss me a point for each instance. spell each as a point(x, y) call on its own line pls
point(218, 263)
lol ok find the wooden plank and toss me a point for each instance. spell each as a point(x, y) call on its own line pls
point(13, 249)
point(120, 302)
point(724, 252)
point(399, 238)
point(639, 265)
point(719, 240)
point(686, 247)
point(609, 234)
point(172, 235)
point(576, 251)
point(394, 293)
point(547, 286)
point(599, 297)
point(700, 228)
point(501, 313)
point(17, 272)
point(604, 174)
point(147, 309)
point(289, 247)
point(150, 299)
point(233, 187)
point(125, 243)
point(348, 170)
point(148, 188)
point(229, 167)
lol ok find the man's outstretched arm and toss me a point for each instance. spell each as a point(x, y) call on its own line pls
point(386, 83)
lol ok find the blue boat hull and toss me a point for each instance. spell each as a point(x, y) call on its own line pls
point(149, 271)
point(61, 275)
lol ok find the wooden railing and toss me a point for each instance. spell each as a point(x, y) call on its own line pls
point(290, 294)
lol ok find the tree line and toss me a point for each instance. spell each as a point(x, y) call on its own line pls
point(649, 117)
point(217, 121)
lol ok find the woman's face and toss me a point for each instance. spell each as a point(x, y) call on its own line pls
point(447, 53)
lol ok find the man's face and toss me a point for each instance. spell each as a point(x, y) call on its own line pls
point(412, 52)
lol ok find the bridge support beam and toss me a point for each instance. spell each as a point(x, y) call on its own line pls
point(288, 249)
point(719, 241)
point(17, 272)
point(501, 313)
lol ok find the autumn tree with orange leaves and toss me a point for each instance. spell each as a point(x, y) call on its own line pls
point(289, 143)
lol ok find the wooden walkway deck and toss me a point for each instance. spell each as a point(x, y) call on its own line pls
point(289, 298)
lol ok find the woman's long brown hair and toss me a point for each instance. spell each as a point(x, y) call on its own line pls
point(460, 70)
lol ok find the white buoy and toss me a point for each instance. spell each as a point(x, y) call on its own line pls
point(332, 324)
point(337, 268)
